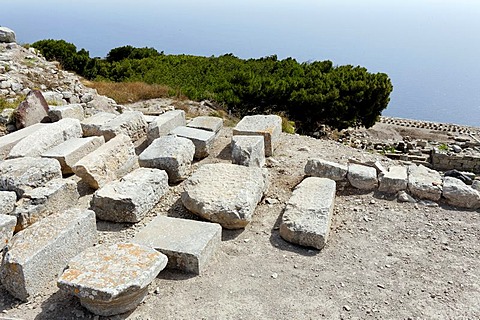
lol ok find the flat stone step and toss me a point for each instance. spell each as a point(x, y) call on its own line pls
point(203, 140)
point(396, 179)
point(188, 244)
point(268, 126)
point(91, 126)
point(208, 123)
point(165, 123)
point(8, 141)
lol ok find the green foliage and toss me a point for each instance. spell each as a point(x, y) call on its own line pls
point(443, 147)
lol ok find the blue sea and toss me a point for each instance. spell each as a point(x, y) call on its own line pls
point(429, 48)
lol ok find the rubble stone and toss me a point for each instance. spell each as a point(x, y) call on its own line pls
point(268, 126)
point(33, 109)
point(7, 201)
point(424, 183)
point(74, 111)
point(91, 126)
point(130, 123)
point(7, 226)
point(8, 141)
point(362, 177)
point(248, 151)
point(326, 169)
point(394, 180)
point(459, 194)
point(203, 140)
point(165, 123)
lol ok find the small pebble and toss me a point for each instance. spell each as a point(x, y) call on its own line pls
point(347, 307)
point(381, 286)
point(275, 275)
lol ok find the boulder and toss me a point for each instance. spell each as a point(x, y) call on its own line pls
point(308, 214)
point(214, 124)
point(7, 142)
point(56, 196)
point(225, 193)
point(203, 140)
point(71, 151)
point(74, 111)
point(22, 174)
point(459, 194)
point(170, 153)
point(7, 35)
point(424, 183)
point(362, 177)
point(91, 126)
point(248, 151)
point(326, 169)
point(130, 199)
point(130, 123)
point(46, 138)
point(109, 162)
point(268, 126)
point(165, 123)
point(403, 196)
point(7, 202)
point(37, 255)
point(396, 179)
point(33, 109)
point(188, 244)
point(476, 185)
point(112, 279)
point(7, 226)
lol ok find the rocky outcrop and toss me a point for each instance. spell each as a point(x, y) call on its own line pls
point(7, 35)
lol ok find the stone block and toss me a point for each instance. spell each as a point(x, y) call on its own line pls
point(248, 151)
point(459, 194)
point(56, 196)
point(307, 217)
point(113, 279)
point(188, 244)
point(7, 226)
point(91, 126)
point(109, 162)
point(424, 183)
point(130, 123)
point(203, 140)
point(326, 169)
point(214, 124)
point(71, 151)
point(7, 142)
point(268, 126)
point(170, 153)
point(74, 111)
point(225, 193)
point(46, 138)
point(362, 177)
point(130, 199)
point(33, 109)
point(22, 174)
point(37, 255)
point(7, 201)
point(165, 123)
point(396, 179)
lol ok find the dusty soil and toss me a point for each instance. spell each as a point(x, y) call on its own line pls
point(384, 259)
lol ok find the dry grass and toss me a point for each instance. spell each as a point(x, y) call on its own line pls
point(129, 92)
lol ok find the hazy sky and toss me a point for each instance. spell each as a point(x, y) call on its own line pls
point(430, 48)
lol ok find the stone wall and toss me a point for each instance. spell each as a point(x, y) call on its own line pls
point(444, 161)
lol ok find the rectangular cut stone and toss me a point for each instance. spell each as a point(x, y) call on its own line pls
point(308, 214)
point(130, 199)
point(8, 141)
point(165, 123)
point(208, 123)
point(46, 138)
point(424, 183)
point(22, 174)
point(91, 126)
point(362, 177)
point(394, 180)
point(69, 152)
point(170, 153)
point(326, 169)
point(268, 126)
point(109, 162)
point(248, 151)
point(38, 255)
point(130, 123)
point(74, 111)
point(56, 196)
point(188, 244)
point(203, 140)
point(7, 201)
point(7, 226)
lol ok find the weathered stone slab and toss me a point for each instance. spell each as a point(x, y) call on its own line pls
point(394, 180)
point(165, 123)
point(46, 138)
point(56, 196)
point(424, 183)
point(7, 201)
point(203, 140)
point(113, 279)
point(70, 152)
point(225, 193)
point(74, 111)
point(248, 151)
point(37, 255)
point(7, 226)
point(91, 126)
point(214, 124)
point(362, 177)
point(459, 194)
point(130, 123)
point(326, 169)
point(268, 126)
point(130, 199)
point(7, 35)
point(308, 214)
point(170, 153)
point(33, 109)
point(8, 141)
point(109, 162)
point(22, 174)
point(188, 244)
